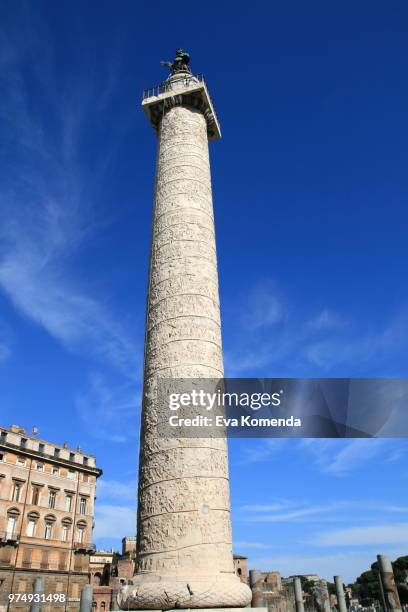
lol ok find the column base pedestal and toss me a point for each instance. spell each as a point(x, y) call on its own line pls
point(247, 609)
point(152, 592)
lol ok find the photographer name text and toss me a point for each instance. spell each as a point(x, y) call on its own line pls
point(242, 421)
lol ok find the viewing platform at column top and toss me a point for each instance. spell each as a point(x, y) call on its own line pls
point(181, 89)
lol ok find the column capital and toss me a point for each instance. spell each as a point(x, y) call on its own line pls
point(181, 89)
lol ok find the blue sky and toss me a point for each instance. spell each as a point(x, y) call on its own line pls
point(310, 193)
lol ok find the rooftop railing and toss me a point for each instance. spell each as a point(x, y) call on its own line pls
point(185, 79)
point(24, 450)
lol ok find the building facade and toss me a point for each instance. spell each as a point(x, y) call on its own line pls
point(241, 567)
point(110, 571)
point(47, 496)
point(100, 567)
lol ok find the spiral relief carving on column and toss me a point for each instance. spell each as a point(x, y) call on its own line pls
point(184, 556)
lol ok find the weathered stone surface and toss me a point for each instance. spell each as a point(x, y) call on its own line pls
point(298, 594)
point(184, 529)
point(389, 588)
point(341, 599)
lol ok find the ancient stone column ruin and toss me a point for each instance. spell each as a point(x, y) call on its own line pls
point(389, 588)
point(184, 553)
point(341, 599)
point(297, 586)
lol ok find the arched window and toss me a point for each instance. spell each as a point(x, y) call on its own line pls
point(66, 528)
point(12, 517)
point(103, 605)
point(81, 532)
point(49, 526)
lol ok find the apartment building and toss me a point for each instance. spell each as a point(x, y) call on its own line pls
point(47, 496)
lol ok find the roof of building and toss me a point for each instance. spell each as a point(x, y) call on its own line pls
point(16, 439)
point(20, 430)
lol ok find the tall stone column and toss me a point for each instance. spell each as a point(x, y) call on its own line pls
point(341, 600)
point(297, 587)
point(391, 597)
point(184, 554)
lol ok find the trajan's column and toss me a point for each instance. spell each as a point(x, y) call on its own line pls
point(184, 555)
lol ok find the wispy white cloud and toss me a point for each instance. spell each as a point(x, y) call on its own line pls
point(109, 410)
point(242, 545)
point(114, 490)
point(35, 276)
point(360, 347)
point(326, 320)
point(262, 307)
point(288, 516)
point(349, 511)
point(340, 457)
point(267, 339)
point(274, 507)
point(254, 451)
point(115, 510)
point(112, 521)
point(5, 342)
point(372, 535)
point(4, 351)
point(48, 210)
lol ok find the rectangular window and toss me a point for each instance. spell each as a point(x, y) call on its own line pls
point(1, 456)
point(72, 474)
point(24, 441)
point(16, 492)
point(82, 505)
point(30, 528)
point(68, 503)
point(11, 524)
point(85, 477)
point(62, 565)
point(20, 461)
point(41, 447)
point(65, 533)
point(3, 436)
point(51, 499)
point(72, 456)
point(27, 557)
point(85, 460)
point(55, 471)
point(56, 452)
point(44, 559)
point(81, 533)
point(39, 467)
point(35, 497)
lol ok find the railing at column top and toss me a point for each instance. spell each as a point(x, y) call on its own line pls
point(166, 85)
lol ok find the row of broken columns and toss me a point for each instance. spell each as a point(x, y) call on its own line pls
point(388, 589)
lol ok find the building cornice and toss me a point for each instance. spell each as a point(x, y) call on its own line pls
point(33, 454)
